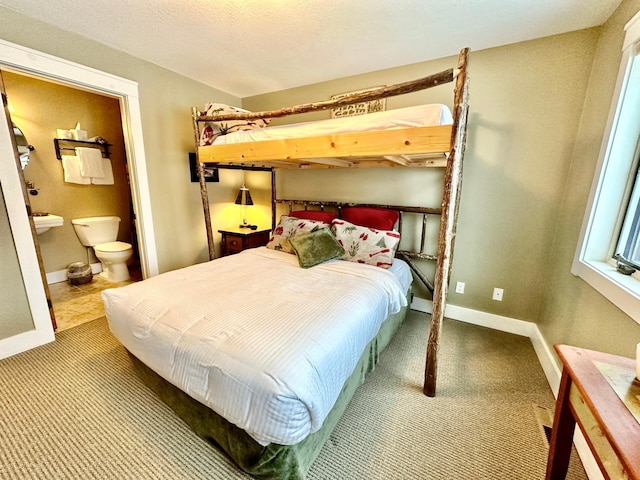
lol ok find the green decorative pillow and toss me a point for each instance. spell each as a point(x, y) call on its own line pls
point(316, 247)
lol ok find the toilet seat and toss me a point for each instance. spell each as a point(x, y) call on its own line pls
point(112, 247)
point(113, 256)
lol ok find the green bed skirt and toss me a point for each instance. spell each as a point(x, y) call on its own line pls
point(272, 462)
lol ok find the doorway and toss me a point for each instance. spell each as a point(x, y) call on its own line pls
point(39, 107)
point(46, 67)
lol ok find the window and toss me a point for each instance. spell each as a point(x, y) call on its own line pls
point(625, 144)
point(628, 247)
point(612, 221)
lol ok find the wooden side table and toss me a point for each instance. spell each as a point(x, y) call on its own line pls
point(237, 240)
point(600, 393)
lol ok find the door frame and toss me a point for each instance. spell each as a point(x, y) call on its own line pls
point(31, 62)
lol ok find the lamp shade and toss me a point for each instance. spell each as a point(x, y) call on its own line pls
point(244, 197)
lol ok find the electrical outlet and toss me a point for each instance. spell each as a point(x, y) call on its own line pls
point(497, 294)
point(460, 287)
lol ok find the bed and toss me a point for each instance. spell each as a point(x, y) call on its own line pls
point(265, 369)
point(412, 136)
point(414, 116)
point(192, 334)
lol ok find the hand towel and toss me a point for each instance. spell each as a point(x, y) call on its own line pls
point(90, 162)
point(71, 168)
point(107, 179)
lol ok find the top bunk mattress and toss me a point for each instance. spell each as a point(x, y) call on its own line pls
point(416, 116)
point(264, 343)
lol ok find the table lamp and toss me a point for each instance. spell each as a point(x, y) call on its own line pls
point(244, 199)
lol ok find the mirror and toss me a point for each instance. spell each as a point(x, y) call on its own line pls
point(23, 146)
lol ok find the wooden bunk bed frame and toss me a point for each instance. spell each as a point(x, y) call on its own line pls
point(414, 147)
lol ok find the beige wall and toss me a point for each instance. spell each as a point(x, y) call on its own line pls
point(538, 113)
point(165, 101)
point(39, 108)
point(525, 103)
point(574, 313)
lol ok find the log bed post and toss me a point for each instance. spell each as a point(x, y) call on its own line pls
point(448, 221)
point(204, 194)
point(273, 199)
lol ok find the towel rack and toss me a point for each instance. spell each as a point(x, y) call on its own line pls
point(68, 144)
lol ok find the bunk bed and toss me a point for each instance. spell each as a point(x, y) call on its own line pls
point(411, 147)
point(139, 311)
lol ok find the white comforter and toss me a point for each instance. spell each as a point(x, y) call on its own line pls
point(264, 343)
point(416, 116)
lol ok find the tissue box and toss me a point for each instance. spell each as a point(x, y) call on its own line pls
point(61, 133)
point(79, 134)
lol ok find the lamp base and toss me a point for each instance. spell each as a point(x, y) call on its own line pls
point(246, 225)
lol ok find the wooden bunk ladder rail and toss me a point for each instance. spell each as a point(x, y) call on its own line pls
point(434, 80)
point(450, 203)
point(204, 194)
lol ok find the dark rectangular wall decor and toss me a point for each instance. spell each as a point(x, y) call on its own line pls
point(210, 172)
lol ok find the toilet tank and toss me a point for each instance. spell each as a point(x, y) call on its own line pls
point(96, 230)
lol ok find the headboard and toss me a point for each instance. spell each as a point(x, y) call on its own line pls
point(411, 220)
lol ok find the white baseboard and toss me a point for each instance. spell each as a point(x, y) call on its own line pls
point(476, 317)
point(61, 275)
point(547, 360)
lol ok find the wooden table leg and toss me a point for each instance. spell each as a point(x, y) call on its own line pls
point(562, 434)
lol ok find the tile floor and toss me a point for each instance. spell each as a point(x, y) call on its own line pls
point(76, 304)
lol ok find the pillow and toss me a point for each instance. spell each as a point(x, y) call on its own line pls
point(366, 245)
point(213, 130)
point(326, 217)
point(290, 227)
point(378, 218)
point(316, 247)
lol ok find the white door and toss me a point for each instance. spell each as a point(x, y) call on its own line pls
point(25, 320)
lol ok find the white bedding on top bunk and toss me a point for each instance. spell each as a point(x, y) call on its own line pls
point(264, 343)
point(417, 116)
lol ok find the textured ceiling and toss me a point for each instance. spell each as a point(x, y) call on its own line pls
point(249, 47)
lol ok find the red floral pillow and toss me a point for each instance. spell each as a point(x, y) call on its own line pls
point(213, 130)
point(290, 227)
point(366, 245)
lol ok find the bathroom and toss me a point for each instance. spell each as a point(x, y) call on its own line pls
point(39, 107)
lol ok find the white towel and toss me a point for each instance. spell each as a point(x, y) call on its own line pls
point(107, 179)
point(90, 162)
point(71, 168)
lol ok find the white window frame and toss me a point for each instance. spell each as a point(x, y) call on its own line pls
point(607, 201)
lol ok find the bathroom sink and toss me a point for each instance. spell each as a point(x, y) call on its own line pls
point(44, 221)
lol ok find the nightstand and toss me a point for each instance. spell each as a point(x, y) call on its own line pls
point(237, 240)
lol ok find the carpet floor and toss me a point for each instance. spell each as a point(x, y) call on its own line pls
point(74, 409)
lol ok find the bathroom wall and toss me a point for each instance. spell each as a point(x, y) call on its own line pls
point(39, 108)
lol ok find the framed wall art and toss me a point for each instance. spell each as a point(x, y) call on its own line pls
point(210, 171)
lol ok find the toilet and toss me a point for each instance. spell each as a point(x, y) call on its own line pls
point(101, 233)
